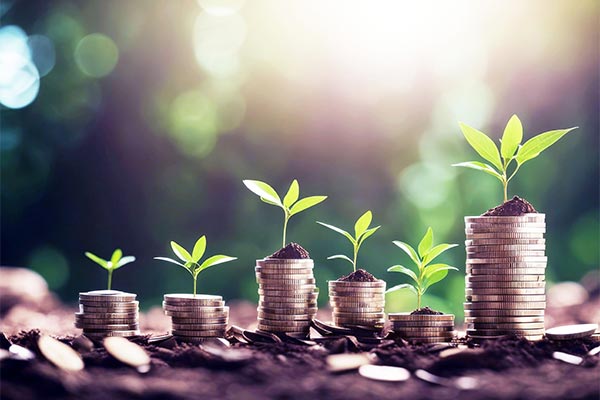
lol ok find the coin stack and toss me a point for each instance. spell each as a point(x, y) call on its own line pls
point(108, 313)
point(423, 328)
point(357, 303)
point(505, 281)
point(195, 318)
point(287, 295)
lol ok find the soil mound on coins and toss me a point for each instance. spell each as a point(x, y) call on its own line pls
point(360, 275)
point(513, 208)
point(425, 311)
point(290, 252)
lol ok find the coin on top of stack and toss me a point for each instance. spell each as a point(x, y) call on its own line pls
point(357, 303)
point(423, 328)
point(108, 313)
point(195, 318)
point(505, 281)
point(287, 295)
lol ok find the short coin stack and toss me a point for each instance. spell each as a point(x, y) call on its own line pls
point(357, 303)
point(287, 295)
point(108, 313)
point(423, 328)
point(195, 318)
point(505, 281)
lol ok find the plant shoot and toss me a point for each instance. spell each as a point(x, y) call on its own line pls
point(116, 261)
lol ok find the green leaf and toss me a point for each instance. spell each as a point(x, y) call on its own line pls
point(426, 243)
point(167, 259)
point(340, 231)
point(292, 194)
point(362, 224)
point(434, 278)
point(212, 261)
point(103, 263)
point(534, 146)
point(264, 191)
point(408, 250)
point(482, 144)
point(114, 259)
point(401, 287)
point(124, 261)
point(436, 251)
point(180, 252)
point(433, 268)
point(199, 249)
point(305, 203)
point(512, 137)
point(406, 271)
point(342, 257)
point(368, 233)
point(480, 167)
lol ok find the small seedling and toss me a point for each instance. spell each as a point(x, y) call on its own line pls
point(510, 149)
point(427, 274)
point(361, 233)
point(116, 261)
point(191, 262)
point(290, 204)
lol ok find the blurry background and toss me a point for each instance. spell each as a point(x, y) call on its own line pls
point(132, 123)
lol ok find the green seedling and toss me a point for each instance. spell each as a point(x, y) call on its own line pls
point(290, 204)
point(361, 233)
point(191, 262)
point(426, 273)
point(116, 261)
point(510, 149)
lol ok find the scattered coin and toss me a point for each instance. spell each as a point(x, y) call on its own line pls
point(347, 362)
point(128, 353)
point(568, 358)
point(384, 373)
point(59, 354)
point(595, 351)
point(568, 332)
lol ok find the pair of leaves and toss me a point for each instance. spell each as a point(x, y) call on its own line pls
point(116, 260)
point(427, 274)
point(361, 233)
point(291, 203)
point(510, 147)
point(191, 262)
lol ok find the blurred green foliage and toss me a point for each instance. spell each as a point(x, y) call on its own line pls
point(191, 104)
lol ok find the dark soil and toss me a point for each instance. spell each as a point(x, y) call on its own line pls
point(426, 311)
point(513, 208)
point(291, 252)
point(360, 275)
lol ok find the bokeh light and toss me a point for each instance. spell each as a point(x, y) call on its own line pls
point(96, 55)
point(51, 264)
point(221, 7)
point(42, 53)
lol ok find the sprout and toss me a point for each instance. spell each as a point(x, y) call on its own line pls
point(361, 233)
point(192, 261)
point(290, 204)
point(427, 273)
point(116, 261)
point(510, 149)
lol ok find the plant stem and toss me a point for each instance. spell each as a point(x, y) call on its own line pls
point(505, 184)
point(109, 278)
point(418, 299)
point(195, 281)
point(285, 221)
point(355, 257)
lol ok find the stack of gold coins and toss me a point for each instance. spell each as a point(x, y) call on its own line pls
point(357, 303)
point(506, 276)
point(287, 295)
point(423, 328)
point(108, 313)
point(195, 318)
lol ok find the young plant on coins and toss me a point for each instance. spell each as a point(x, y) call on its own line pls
point(286, 284)
point(423, 325)
point(505, 288)
point(357, 299)
point(108, 312)
point(196, 317)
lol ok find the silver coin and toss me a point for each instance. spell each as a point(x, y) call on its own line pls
point(568, 332)
point(533, 217)
point(130, 315)
point(284, 283)
point(423, 331)
point(505, 278)
point(339, 321)
point(503, 227)
point(506, 272)
point(284, 269)
point(504, 313)
point(506, 325)
point(119, 308)
point(299, 291)
point(504, 285)
point(424, 324)
point(107, 296)
point(492, 332)
point(268, 328)
point(60, 354)
point(197, 314)
point(356, 295)
point(80, 321)
point(384, 373)
point(107, 327)
point(171, 307)
point(284, 262)
point(359, 315)
point(267, 316)
point(495, 305)
point(288, 311)
point(283, 324)
point(198, 327)
point(504, 319)
point(289, 299)
point(420, 317)
point(515, 298)
point(127, 352)
point(505, 242)
point(96, 334)
point(503, 235)
point(197, 321)
point(181, 299)
point(199, 334)
point(364, 304)
point(505, 291)
point(363, 285)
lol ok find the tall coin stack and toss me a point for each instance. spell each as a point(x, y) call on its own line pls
point(287, 295)
point(357, 303)
point(505, 281)
point(195, 318)
point(423, 328)
point(108, 313)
